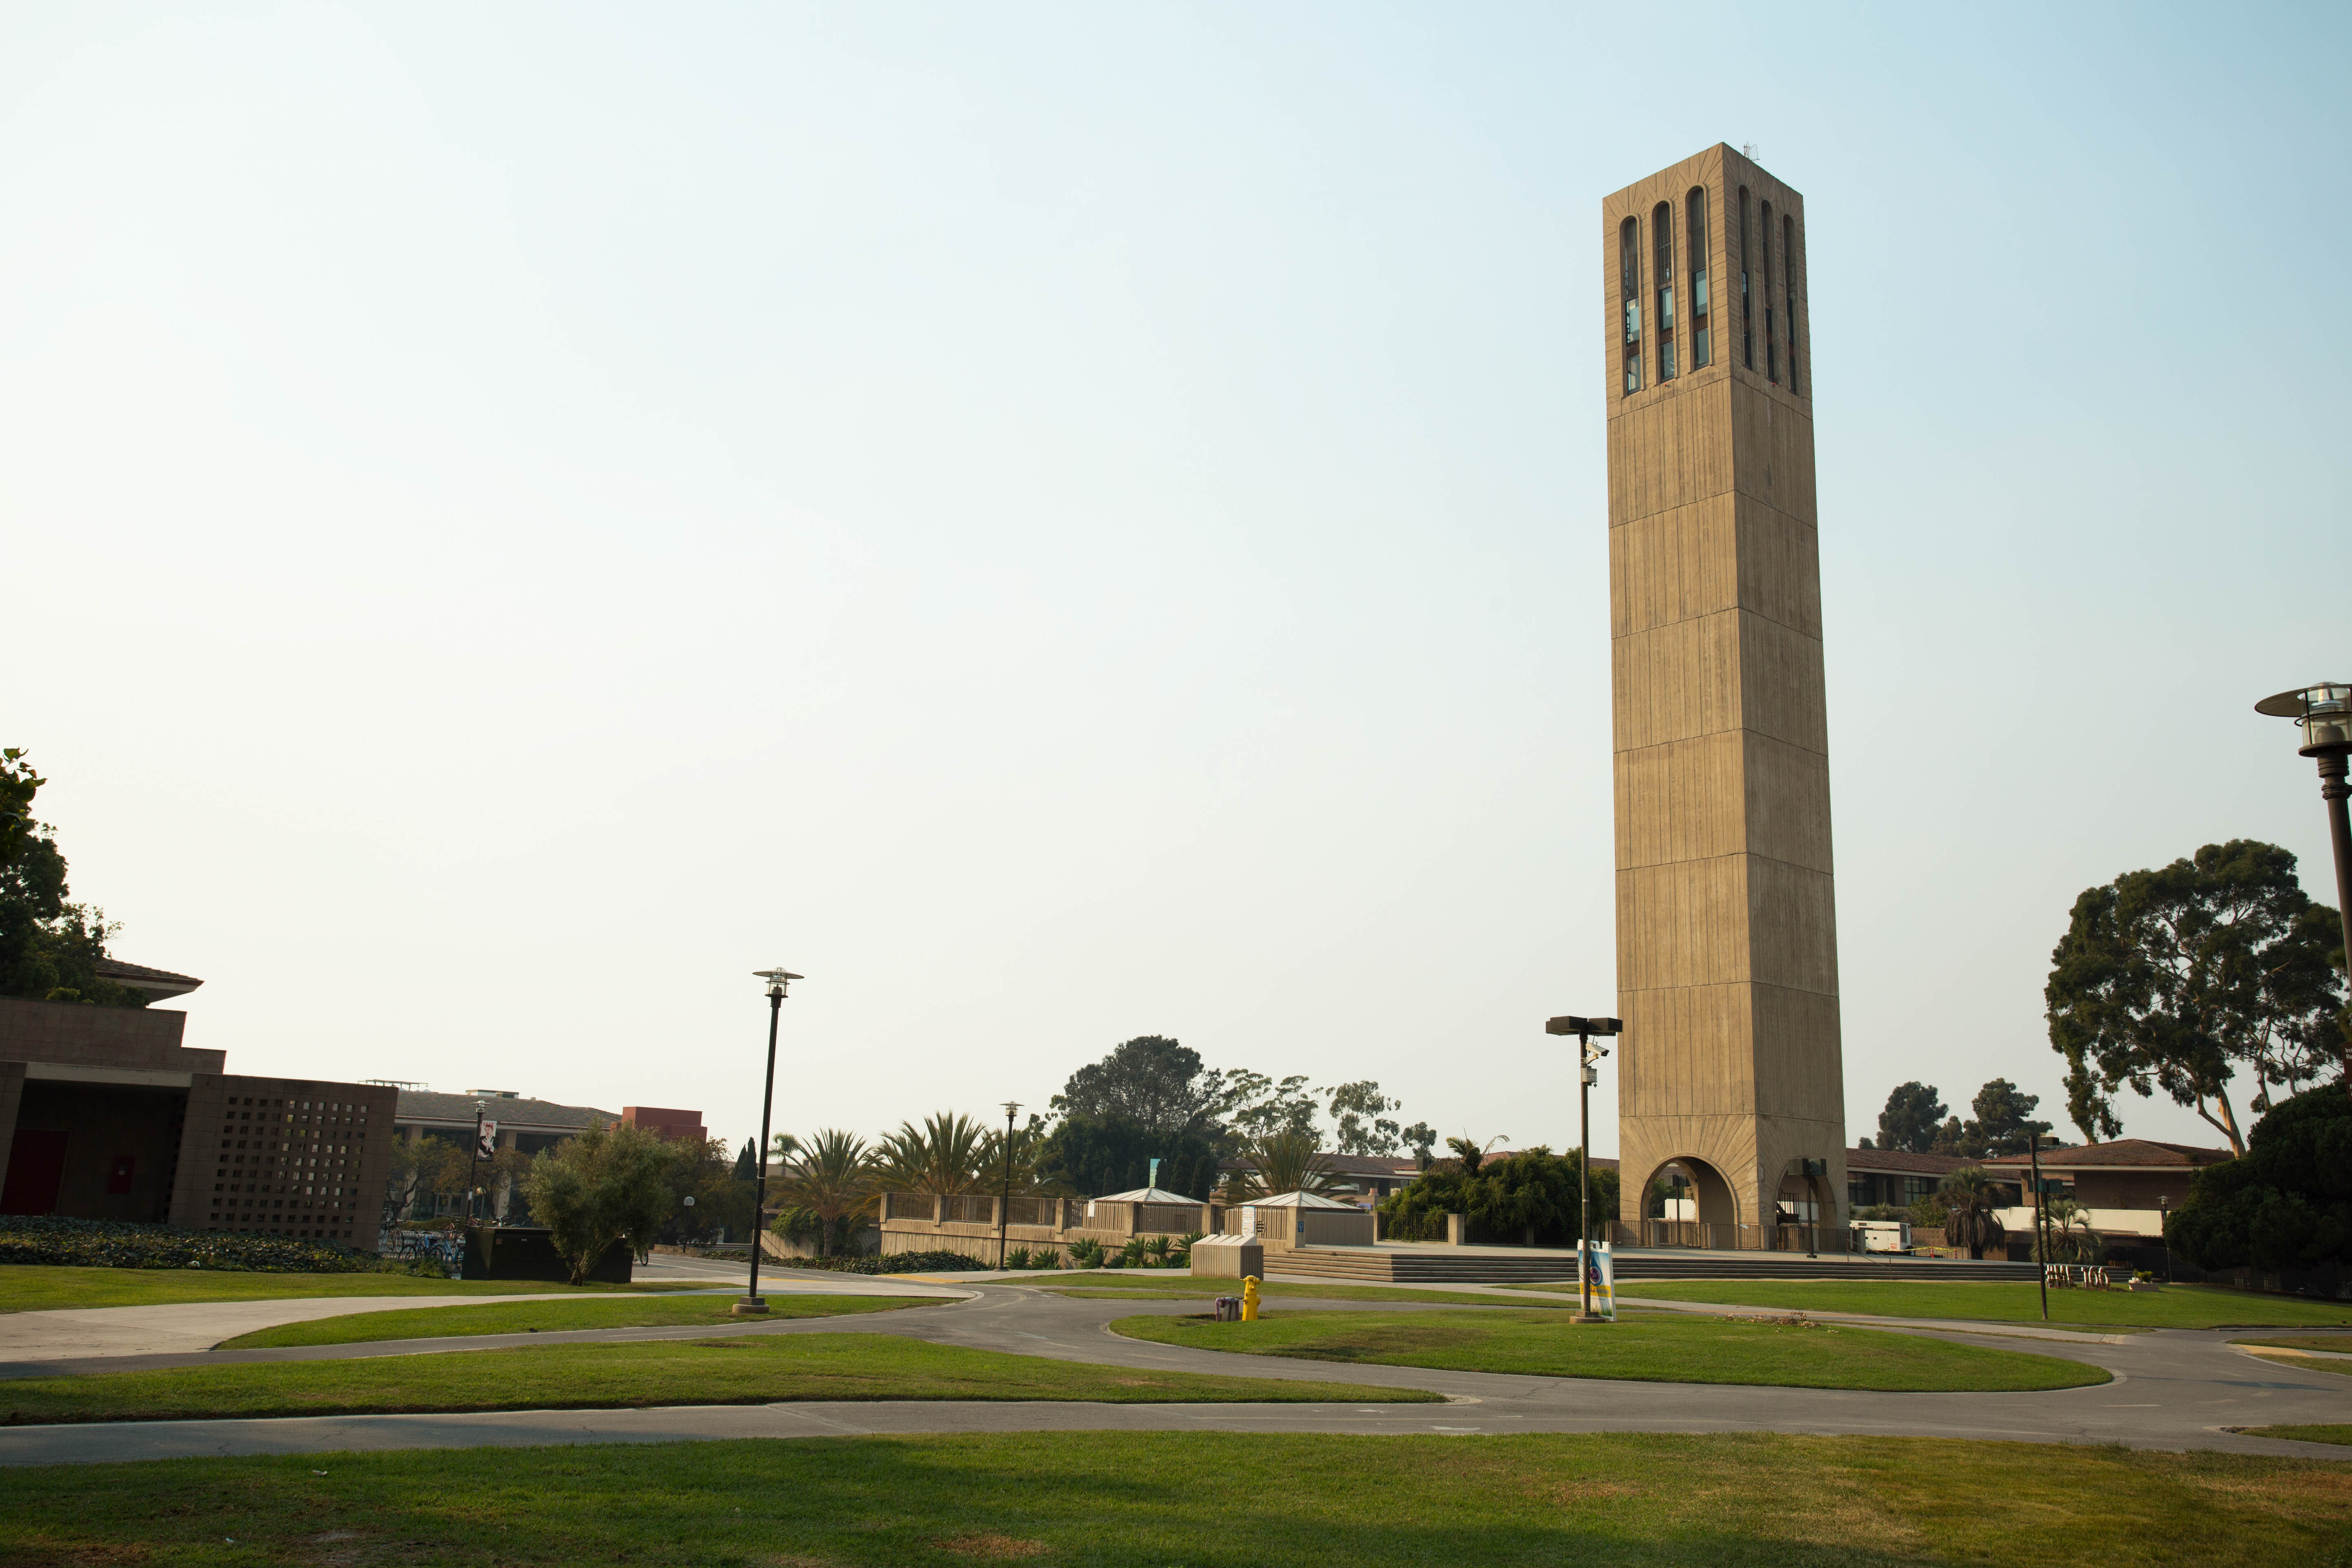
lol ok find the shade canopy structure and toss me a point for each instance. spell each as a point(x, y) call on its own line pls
point(1145, 1196)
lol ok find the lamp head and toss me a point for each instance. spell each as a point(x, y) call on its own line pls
point(2323, 712)
point(1572, 1025)
point(777, 978)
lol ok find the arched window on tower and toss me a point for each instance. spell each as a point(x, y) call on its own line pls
point(1662, 240)
point(1695, 239)
point(1746, 290)
point(1629, 283)
point(1764, 285)
point(1789, 271)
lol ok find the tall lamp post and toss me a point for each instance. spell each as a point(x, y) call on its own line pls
point(752, 1303)
point(1004, 1201)
point(2323, 714)
point(1588, 1074)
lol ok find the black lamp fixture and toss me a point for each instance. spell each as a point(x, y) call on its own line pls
point(1588, 1074)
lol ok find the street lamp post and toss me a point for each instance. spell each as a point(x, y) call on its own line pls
point(1588, 1074)
point(1005, 1200)
point(2323, 714)
point(474, 1165)
point(752, 1303)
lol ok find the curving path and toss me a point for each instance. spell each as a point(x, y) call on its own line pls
point(2174, 1389)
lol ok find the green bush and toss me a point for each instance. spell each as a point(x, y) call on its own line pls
point(893, 1263)
point(119, 1243)
point(1532, 1190)
point(2288, 1203)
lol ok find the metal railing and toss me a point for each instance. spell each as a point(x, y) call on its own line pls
point(967, 1208)
point(1806, 1238)
point(1033, 1211)
point(1169, 1219)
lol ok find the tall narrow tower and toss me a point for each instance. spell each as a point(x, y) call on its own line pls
point(1727, 928)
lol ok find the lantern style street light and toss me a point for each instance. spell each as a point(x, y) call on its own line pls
point(1004, 1203)
point(1588, 1074)
point(2323, 714)
point(752, 1303)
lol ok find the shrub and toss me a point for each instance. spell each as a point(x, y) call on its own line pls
point(1087, 1253)
point(119, 1243)
point(893, 1263)
point(2286, 1203)
point(1017, 1258)
point(593, 1190)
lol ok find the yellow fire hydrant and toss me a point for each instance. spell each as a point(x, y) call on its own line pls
point(1249, 1298)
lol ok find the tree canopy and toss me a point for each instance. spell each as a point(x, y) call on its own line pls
point(50, 945)
point(1151, 1081)
point(2286, 1204)
point(1533, 1190)
point(1089, 1156)
point(1908, 1124)
point(601, 1187)
point(2174, 978)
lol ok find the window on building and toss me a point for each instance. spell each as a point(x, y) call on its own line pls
point(1629, 282)
point(1661, 239)
point(1694, 238)
point(1764, 283)
point(1746, 290)
point(1788, 272)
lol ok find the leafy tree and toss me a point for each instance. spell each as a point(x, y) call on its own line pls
point(1534, 1190)
point(1360, 1108)
point(1256, 1106)
point(18, 785)
point(722, 1200)
point(429, 1166)
point(599, 1188)
point(1957, 1137)
point(1021, 1171)
point(1970, 1197)
point(1908, 1123)
point(2003, 1118)
point(833, 1179)
point(1089, 1156)
point(1422, 1139)
point(2288, 1203)
point(50, 945)
point(1149, 1080)
point(746, 1164)
point(941, 1156)
point(2172, 978)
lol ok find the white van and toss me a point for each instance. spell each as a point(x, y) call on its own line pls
point(1882, 1236)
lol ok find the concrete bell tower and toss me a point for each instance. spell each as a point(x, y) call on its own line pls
point(1726, 923)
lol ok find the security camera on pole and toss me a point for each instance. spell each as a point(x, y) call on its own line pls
point(1588, 1074)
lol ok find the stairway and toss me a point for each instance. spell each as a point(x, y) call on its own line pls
point(1397, 1266)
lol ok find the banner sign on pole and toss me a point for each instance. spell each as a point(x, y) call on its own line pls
point(488, 1147)
point(1600, 1272)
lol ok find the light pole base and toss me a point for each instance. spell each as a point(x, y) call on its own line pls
point(749, 1307)
point(1586, 1318)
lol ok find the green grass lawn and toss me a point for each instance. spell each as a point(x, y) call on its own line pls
point(556, 1317)
point(752, 1370)
point(2173, 1307)
point(2301, 1434)
point(32, 1288)
point(1172, 1285)
point(1657, 1350)
point(2340, 1344)
point(1112, 1500)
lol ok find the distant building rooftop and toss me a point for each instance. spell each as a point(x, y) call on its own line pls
point(2122, 1154)
point(509, 1109)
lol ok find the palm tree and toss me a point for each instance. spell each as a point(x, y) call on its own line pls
point(2071, 1239)
point(1970, 1198)
point(942, 1156)
point(833, 1179)
point(1287, 1163)
point(1028, 1148)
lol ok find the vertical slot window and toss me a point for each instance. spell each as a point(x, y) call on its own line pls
point(1789, 294)
point(1746, 290)
point(1764, 283)
point(1661, 239)
point(1629, 284)
point(1695, 239)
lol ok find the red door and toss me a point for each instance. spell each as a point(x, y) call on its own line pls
point(36, 1168)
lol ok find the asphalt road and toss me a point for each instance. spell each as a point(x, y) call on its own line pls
point(2173, 1389)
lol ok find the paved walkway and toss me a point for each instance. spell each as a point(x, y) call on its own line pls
point(2173, 1389)
point(74, 1333)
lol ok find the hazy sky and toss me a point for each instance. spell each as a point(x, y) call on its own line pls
point(1065, 522)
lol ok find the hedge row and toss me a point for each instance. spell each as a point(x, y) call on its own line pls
point(894, 1263)
point(117, 1244)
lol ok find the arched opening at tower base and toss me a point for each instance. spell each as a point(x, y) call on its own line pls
point(1690, 1204)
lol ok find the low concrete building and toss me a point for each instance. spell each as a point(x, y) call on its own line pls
point(1892, 1178)
point(525, 1125)
point(105, 1114)
point(2125, 1188)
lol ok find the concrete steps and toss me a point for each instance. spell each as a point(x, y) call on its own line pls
point(1382, 1266)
